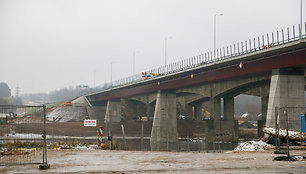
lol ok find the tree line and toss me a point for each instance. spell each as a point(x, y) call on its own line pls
point(62, 94)
point(6, 97)
point(67, 93)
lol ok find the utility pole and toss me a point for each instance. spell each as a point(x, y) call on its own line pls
point(17, 91)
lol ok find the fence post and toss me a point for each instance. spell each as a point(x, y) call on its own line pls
point(111, 138)
point(219, 143)
point(44, 164)
point(53, 121)
point(199, 146)
point(188, 148)
point(45, 134)
point(167, 141)
point(277, 142)
point(287, 132)
point(141, 135)
point(123, 133)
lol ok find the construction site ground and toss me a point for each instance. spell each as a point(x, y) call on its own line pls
point(107, 161)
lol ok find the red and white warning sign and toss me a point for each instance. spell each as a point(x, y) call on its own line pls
point(90, 122)
point(100, 135)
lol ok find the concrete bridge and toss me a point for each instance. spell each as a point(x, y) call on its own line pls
point(274, 71)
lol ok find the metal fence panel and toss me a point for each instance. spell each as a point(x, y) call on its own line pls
point(293, 114)
point(22, 131)
point(288, 119)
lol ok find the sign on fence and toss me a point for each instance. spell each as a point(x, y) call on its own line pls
point(90, 122)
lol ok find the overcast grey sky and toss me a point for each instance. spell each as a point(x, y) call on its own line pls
point(47, 45)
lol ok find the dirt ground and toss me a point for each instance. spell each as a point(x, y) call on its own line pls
point(105, 161)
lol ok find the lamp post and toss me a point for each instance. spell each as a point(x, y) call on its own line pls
point(166, 42)
point(134, 63)
point(94, 79)
point(134, 57)
point(215, 33)
point(301, 19)
point(111, 72)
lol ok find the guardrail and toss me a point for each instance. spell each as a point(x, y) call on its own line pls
point(241, 48)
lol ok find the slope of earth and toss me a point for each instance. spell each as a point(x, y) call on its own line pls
point(68, 113)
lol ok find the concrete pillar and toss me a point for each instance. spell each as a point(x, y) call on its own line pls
point(229, 109)
point(215, 108)
point(216, 113)
point(113, 111)
point(152, 109)
point(199, 108)
point(206, 110)
point(261, 123)
point(228, 123)
point(188, 111)
point(96, 112)
point(286, 89)
point(148, 110)
point(164, 134)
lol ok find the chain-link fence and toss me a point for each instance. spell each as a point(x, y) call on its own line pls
point(184, 144)
point(65, 128)
point(22, 135)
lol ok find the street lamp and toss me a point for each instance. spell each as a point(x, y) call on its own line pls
point(94, 79)
point(301, 19)
point(134, 57)
point(166, 42)
point(111, 72)
point(215, 33)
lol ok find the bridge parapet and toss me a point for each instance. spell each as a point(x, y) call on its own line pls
point(256, 45)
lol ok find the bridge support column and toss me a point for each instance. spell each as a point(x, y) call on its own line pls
point(229, 108)
point(164, 136)
point(229, 129)
point(215, 114)
point(188, 111)
point(286, 89)
point(96, 112)
point(261, 123)
point(148, 110)
point(224, 129)
point(113, 111)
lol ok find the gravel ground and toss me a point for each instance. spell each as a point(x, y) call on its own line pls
point(104, 161)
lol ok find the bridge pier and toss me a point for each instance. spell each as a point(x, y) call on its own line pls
point(261, 123)
point(286, 89)
point(96, 112)
point(164, 135)
point(224, 129)
point(215, 114)
point(229, 129)
point(113, 111)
